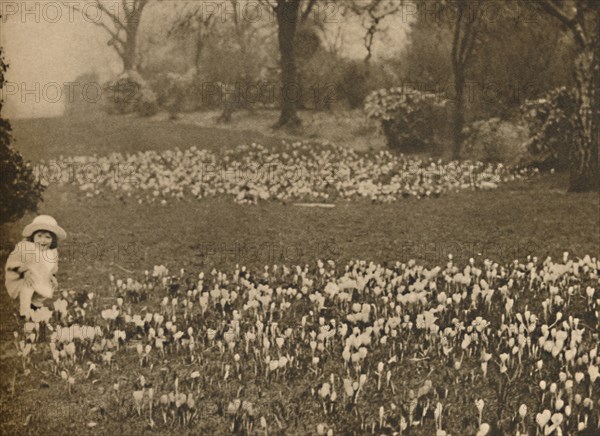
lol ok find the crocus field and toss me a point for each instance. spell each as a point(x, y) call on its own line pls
point(456, 349)
point(491, 329)
point(294, 171)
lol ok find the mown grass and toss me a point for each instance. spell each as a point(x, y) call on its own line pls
point(109, 235)
point(48, 138)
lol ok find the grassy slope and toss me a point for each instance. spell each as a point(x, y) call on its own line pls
point(45, 138)
point(537, 216)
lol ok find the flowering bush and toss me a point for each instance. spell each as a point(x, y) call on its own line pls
point(130, 93)
point(495, 140)
point(408, 118)
point(550, 121)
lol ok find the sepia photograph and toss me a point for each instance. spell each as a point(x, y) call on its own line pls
point(300, 217)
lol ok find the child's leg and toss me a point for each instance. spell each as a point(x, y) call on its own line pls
point(44, 291)
point(25, 300)
point(37, 301)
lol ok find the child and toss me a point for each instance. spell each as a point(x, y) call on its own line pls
point(31, 267)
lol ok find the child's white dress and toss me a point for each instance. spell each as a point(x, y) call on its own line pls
point(42, 265)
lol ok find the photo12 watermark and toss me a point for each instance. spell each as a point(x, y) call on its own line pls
point(450, 11)
point(84, 172)
point(125, 12)
point(460, 252)
point(208, 93)
point(89, 173)
point(66, 11)
point(264, 252)
point(74, 252)
point(474, 91)
point(270, 173)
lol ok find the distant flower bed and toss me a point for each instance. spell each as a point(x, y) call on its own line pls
point(297, 171)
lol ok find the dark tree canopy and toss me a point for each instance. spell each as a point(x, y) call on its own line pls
point(19, 190)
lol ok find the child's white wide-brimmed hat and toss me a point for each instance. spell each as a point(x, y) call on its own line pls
point(44, 222)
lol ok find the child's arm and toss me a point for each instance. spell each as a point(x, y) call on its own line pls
point(15, 266)
point(54, 271)
point(28, 277)
point(15, 271)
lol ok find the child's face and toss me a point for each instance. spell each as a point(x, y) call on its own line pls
point(43, 238)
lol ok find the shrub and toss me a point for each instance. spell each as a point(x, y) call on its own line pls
point(130, 93)
point(410, 120)
point(353, 85)
point(174, 92)
point(318, 77)
point(84, 99)
point(19, 190)
point(496, 140)
point(550, 121)
point(147, 105)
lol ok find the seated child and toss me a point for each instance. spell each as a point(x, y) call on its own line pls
point(31, 267)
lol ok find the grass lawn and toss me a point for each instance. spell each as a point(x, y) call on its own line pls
point(109, 236)
point(349, 127)
point(46, 138)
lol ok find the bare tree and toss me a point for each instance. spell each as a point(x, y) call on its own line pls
point(122, 25)
point(194, 21)
point(582, 20)
point(372, 13)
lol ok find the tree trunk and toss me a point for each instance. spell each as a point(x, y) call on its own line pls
point(129, 55)
point(287, 20)
point(585, 174)
point(391, 135)
point(458, 119)
point(198, 52)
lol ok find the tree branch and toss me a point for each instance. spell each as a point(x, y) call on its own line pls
point(468, 41)
point(271, 5)
point(112, 16)
point(551, 8)
point(126, 8)
point(306, 13)
point(456, 38)
point(120, 52)
point(469, 46)
point(113, 33)
point(570, 23)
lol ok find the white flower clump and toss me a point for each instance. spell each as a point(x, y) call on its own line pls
point(299, 171)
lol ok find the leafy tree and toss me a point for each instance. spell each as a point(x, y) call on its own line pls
point(457, 26)
point(551, 127)
point(502, 80)
point(582, 20)
point(494, 37)
point(19, 190)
